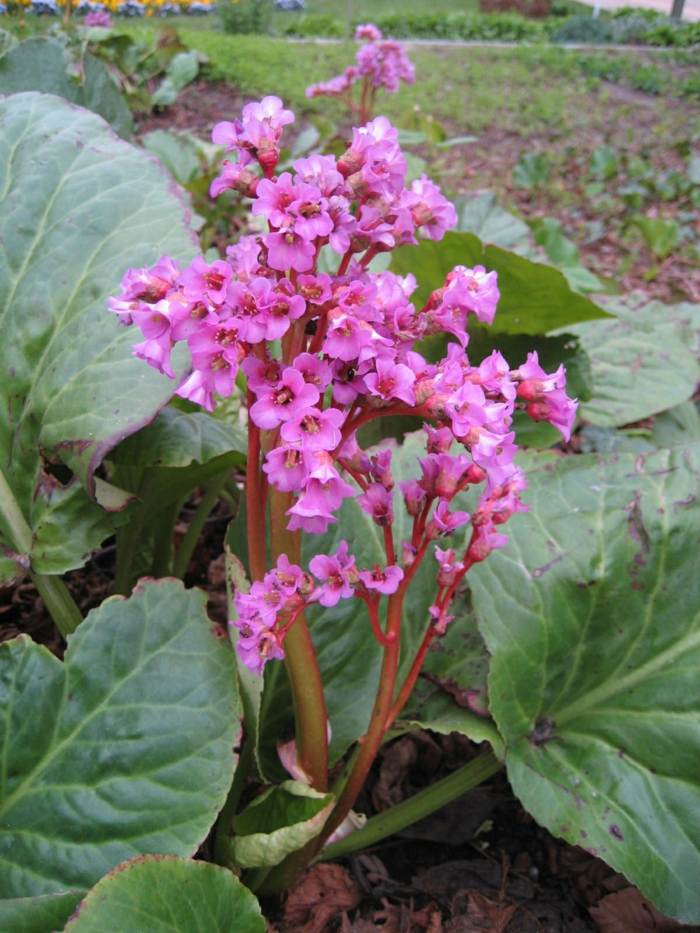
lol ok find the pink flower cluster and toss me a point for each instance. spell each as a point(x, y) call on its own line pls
point(98, 19)
point(380, 63)
point(323, 355)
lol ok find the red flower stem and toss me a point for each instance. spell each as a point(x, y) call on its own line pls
point(373, 609)
point(300, 659)
point(377, 725)
point(359, 479)
point(344, 263)
point(371, 413)
point(369, 255)
point(389, 545)
point(412, 676)
point(255, 505)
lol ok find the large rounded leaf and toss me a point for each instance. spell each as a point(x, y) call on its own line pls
point(125, 748)
point(592, 615)
point(77, 207)
point(157, 894)
point(41, 914)
point(45, 64)
point(642, 361)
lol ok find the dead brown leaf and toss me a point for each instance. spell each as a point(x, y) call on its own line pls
point(324, 892)
point(482, 914)
point(629, 912)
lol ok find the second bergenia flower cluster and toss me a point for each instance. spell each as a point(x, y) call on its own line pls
point(324, 354)
point(380, 64)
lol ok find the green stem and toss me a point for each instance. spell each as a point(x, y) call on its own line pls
point(163, 539)
point(222, 833)
point(211, 495)
point(58, 601)
point(415, 808)
point(55, 594)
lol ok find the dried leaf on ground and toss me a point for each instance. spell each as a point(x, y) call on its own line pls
point(629, 912)
point(482, 914)
point(324, 892)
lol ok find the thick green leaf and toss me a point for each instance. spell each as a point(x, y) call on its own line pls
point(78, 206)
point(532, 170)
point(641, 364)
point(661, 235)
point(604, 163)
point(41, 914)
point(179, 439)
point(159, 894)
point(43, 64)
point(277, 823)
point(678, 426)
point(480, 214)
point(124, 749)
point(7, 41)
point(592, 617)
point(535, 298)
point(177, 151)
point(181, 69)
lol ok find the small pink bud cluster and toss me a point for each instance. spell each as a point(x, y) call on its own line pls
point(380, 63)
point(323, 355)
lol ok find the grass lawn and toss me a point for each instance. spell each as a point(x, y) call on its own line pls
point(558, 103)
point(532, 91)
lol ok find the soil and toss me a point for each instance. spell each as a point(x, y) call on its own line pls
point(480, 864)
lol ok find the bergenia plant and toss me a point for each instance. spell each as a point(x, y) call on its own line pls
point(319, 356)
point(380, 63)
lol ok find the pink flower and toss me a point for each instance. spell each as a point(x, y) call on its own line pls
point(346, 336)
point(289, 250)
point(379, 468)
point(474, 290)
point(314, 429)
point(385, 580)
point(204, 282)
point(368, 31)
point(286, 401)
point(315, 371)
point(414, 496)
point(321, 171)
point(286, 468)
point(99, 19)
point(376, 501)
point(337, 573)
point(257, 133)
point(392, 380)
point(313, 510)
point(236, 176)
point(431, 211)
point(448, 565)
point(486, 539)
point(546, 397)
point(445, 522)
